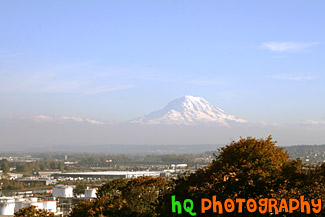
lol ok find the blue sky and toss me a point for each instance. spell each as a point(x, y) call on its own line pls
point(117, 60)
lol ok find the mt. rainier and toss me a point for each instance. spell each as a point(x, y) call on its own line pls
point(189, 110)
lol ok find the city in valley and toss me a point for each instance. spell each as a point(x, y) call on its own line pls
point(58, 181)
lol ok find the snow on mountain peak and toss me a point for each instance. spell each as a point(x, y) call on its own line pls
point(189, 110)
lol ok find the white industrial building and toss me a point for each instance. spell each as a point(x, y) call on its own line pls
point(90, 193)
point(40, 204)
point(64, 191)
point(179, 166)
point(10, 205)
point(7, 205)
point(50, 206)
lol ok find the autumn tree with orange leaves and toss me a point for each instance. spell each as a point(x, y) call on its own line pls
point(249, 168)
point(33, 211)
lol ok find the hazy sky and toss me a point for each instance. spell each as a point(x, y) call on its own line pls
point(116, 60)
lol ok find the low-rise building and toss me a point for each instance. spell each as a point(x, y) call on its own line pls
point(37, 180)
point(64, 191)
point(110, 174)
point(10, 205)
point(7, 205)
point(90, 193)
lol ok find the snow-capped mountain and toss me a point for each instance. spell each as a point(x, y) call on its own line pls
point(189, 110)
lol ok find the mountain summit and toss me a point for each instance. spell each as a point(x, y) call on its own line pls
point(189, 110)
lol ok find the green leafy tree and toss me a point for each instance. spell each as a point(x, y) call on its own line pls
point(112, 188)
point(5, 166)
point(79, 189)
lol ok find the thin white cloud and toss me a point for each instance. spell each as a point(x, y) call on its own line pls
point(76, 119)
point(293, 77)
point(43, 118)
point(81, 120)
point(65, 119)
point(267, 124)
point(288, 46)
point(313, 122)
point(90, 121)
point(82, 78)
